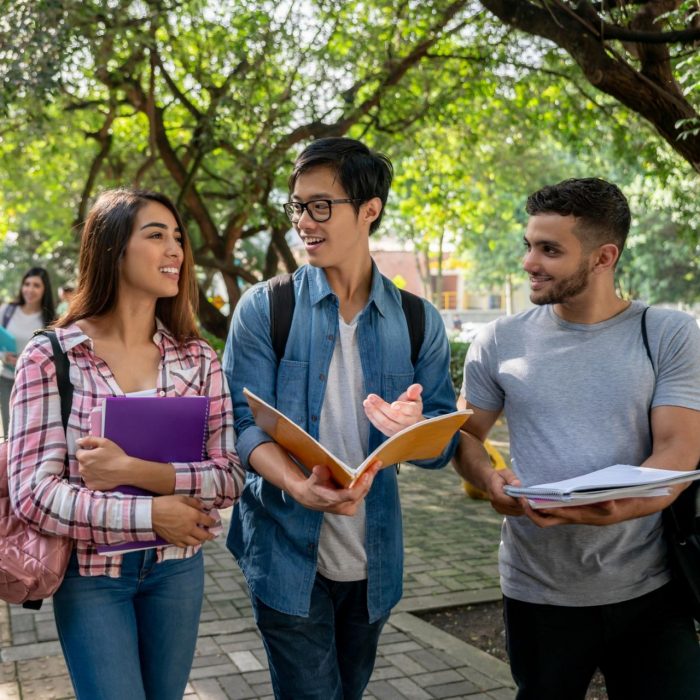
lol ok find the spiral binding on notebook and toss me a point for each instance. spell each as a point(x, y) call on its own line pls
point(205, 432)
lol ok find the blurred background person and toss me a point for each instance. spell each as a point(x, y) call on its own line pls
point(65, 294)
point(31, 310)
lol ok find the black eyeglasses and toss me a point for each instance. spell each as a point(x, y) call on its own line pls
point(319, 210)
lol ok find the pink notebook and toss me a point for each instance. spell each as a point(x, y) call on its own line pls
point(153, 428)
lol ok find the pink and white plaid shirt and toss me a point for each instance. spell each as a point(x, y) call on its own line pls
point(37, 446)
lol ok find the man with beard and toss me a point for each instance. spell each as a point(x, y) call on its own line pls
point(586, 587)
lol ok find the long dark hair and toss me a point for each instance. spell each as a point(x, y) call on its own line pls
point(48, 310)
point(106, 232)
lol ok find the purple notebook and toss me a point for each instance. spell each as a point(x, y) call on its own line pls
point(153, 428)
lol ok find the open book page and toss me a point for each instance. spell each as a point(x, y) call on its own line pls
point(424, 440)
point(617, 481)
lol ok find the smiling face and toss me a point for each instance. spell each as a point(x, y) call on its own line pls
point(153, 256)
point(343, 240)
point(32, 291)
point(555, 260)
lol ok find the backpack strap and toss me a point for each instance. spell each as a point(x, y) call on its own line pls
point(682, 517)
point(65, 391)
point(65, 388)
point(414, 311)
point(8, 314)
point(645, 337)
point(282, 302)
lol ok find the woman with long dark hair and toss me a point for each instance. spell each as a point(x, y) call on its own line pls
point(128, 623)
point(32, 309)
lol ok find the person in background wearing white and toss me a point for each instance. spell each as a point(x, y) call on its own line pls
point(32, 309)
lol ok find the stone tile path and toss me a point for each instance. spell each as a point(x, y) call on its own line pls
point(451, 548)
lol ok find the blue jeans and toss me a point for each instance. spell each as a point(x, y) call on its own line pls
point(646, 648)
point(133, 636)
point(328, 655)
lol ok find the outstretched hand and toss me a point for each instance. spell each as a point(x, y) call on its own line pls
point(390, 418)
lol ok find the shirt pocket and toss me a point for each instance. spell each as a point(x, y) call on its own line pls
point(292, 390)
point(185, 380)
point(395, 384)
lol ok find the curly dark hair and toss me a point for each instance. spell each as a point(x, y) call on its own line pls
point(601, 210)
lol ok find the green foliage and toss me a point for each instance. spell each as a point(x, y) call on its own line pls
point(458, 353)
point(210, 103)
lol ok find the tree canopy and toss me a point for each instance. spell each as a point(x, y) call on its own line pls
point(210, 103)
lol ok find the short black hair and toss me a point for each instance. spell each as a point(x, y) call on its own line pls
point(601, 209)
point(363, 173)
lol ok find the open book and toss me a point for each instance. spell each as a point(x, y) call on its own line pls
point(424, 440)
point(610, 483)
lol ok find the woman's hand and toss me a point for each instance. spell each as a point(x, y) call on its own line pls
point(102, 463)
point(181, 520)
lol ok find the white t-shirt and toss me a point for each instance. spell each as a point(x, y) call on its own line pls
point(22, 327)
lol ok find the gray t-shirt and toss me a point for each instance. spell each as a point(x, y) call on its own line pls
point(577, 398)
point(344, 430)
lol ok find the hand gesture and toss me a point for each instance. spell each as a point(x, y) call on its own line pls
point(181, 520)
point(103, 465)
point(390, 418)
point(321, 492)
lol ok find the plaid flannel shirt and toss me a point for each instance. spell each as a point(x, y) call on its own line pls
point(58, 503)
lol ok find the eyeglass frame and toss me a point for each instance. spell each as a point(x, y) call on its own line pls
point(290, 211)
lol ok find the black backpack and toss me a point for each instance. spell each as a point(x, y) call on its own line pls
point(282, 302)
point(681, 522)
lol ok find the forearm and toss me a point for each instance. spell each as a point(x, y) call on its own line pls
point(472, 462)
point(274, 465)
point(157, 477)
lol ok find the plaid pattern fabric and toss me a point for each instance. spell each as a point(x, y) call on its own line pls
point(37, 445)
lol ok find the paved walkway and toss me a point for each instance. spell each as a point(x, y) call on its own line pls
point(451, 543)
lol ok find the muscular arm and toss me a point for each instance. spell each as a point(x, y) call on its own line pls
point(676, 436)
point(473, 463)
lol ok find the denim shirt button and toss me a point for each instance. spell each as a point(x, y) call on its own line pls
point(322, 376)
point(331, 338)
point(314, 419)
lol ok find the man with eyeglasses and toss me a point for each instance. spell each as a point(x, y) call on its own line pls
point(324, 563)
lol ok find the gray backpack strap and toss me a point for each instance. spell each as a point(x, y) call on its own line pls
point(8, 314)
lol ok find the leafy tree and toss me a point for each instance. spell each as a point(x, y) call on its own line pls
point(641, 52)
point(210, 102)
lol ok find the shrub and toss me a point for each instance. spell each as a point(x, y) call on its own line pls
point(458, 351)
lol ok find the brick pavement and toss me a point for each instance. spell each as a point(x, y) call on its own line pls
point(451, 545)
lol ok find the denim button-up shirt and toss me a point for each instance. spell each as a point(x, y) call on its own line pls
point(274, 538)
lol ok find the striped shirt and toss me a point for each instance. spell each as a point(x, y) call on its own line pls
point(60, 504)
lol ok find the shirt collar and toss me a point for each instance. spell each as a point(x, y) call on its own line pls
point(72, 336)
point(319, 288)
